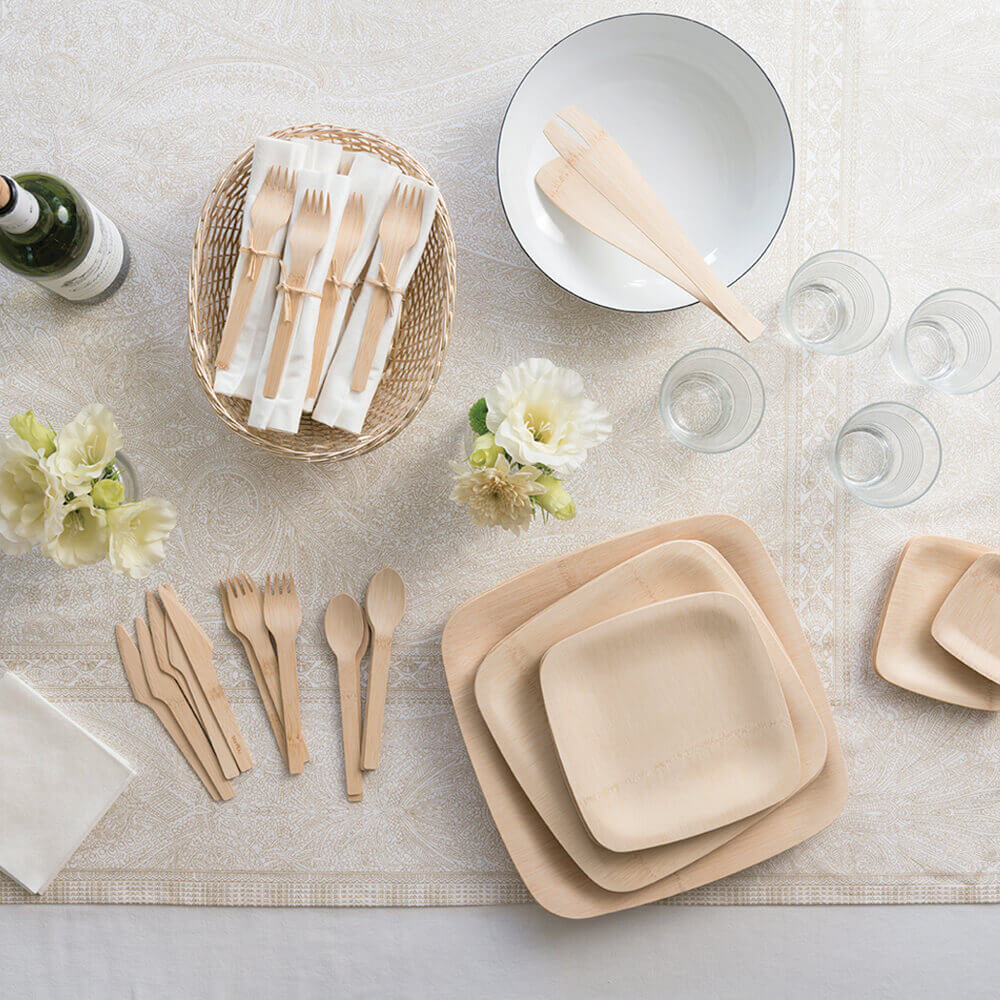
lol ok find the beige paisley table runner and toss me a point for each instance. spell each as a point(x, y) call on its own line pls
point(896, 117)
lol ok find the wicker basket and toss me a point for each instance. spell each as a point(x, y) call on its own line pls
point(418, 349)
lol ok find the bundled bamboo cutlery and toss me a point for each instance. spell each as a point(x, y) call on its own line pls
point(597, 184)
point(348, 632)
point(319, 220)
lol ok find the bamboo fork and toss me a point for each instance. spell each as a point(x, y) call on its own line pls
point(605, 166)
point(305, 239)
point(270, 708)
point(283, 617)
point(397, 233)
point(348, 238)
point(271, 210)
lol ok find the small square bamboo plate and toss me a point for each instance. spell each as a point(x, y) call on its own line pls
point(669, 721)
point(548, 872)
point(905, 652)
point(968, 624)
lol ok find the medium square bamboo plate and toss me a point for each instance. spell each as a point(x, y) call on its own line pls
point(548, 872)
point(905, 652)
point(669, 721)
point(968, 624)
point(510, 700)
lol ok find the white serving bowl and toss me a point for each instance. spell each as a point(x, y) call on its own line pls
point(701, 120)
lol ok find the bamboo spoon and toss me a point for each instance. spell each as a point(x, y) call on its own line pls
point(283, 617)
point(605, 166)
point(346, 634)
point(132, 662)
point(271, 210)
point(348, 238)
point(270, 709)
point(384, 603)
point(198, 649)
point(305, 239)
point(165, 689)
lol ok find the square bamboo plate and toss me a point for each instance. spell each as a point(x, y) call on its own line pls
point(905, 652)
point(510, 700)
point(669, 721)
point(548, 872)
point(968, 624)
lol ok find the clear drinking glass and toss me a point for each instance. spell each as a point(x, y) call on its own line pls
point(887, 454)
point(837, 303)
point(951, 342)
point(712, 400)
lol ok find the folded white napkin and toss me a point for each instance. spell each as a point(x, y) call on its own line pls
point(337, 405)
point(283, 412)
point(238, 379)
point(374, 180)
point(56, 782)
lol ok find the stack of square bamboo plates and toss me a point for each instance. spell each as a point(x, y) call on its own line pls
point(644, 716)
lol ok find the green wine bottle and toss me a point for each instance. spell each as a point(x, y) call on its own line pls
point(51, 234)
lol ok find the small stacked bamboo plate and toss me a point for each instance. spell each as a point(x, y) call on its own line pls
point(552, 788)
point(421, 340)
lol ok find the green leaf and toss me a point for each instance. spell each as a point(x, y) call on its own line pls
point(477, 417)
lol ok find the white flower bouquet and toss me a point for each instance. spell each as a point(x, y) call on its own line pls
point(62, 490)
point(531, 429)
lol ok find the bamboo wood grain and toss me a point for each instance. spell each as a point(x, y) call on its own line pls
point(347, 636)
point(605, 166)
point(165, 689)
point(158, 630)
point(132, 663)
point(384, 605)
point(509, 696)
point(283, 617)
point(270, 709)
point(205, 715)
point(198, 650)
point(968, 623)
point(548, 872)
point(905, 651)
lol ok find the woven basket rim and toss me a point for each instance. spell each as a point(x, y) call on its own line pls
point(290, 445)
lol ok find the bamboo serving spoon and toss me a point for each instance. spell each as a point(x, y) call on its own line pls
point(384, 604)
point(347, 635)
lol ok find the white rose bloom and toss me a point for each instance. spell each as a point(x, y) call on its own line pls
point(31, 497)
point(540, 415)
point(85, 447)
point(137, 532)
point(83, 536)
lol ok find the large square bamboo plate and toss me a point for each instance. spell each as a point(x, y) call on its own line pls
point(510, 700)
point(547, 870)
point(905, 652)
point(968, 624)
point(669, 721)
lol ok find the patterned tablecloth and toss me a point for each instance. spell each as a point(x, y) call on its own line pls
point(897, 122)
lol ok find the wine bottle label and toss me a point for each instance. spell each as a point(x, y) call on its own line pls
point(98, 269)
point(22, 213)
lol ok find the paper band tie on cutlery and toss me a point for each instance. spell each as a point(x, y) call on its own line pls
point(256, 253)
point(337, 405)
point(290, 290)
point(239, 378)
point(383, 282)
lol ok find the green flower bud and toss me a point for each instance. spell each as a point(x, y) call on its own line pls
point(32, 430)
point(107, 494)
point(555, 499)
point(485, 452)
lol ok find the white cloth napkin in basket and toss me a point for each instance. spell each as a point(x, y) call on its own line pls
point(56, 782)
point(337, 405)
point(374, 180)
point(284, 411)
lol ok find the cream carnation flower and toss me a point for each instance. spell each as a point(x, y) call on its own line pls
point(497, 495)
point(82, 537)
point(85, 447)
point(137, 532)
point(539, 414)
point(31, 497)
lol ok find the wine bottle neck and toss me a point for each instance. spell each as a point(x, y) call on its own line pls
point(19, 209)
